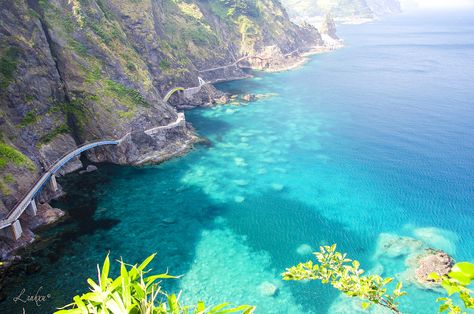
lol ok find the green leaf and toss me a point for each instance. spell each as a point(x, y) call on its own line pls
point(443, 308)
point(238, 309)
point(105, 272)
point(461, 277)
point(173, 304)
point(355, 264)
point(388, 280)
point(250, 310)
point(434, 276)
point(160, 276)
point(217, 308)
point(450, 289)
point(71, 311)
point(465, 268)
point(146, 262)
point(93, 284)
point(365, 305)
point(200, 308)
point(77, 299)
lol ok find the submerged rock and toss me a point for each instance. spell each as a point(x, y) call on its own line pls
point(413, 259)
point(278, 187)
point(432, 262)
point(169, 220)
point(91, 168)
point(393, 246)
point(239, 199)
point(224, 99)
point(241, 182)
point(304, 249)
point(248, 97)
point(437, 238)
point(268, 289)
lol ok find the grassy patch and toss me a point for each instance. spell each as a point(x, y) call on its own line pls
point(75, 108)
point(8, 65)
point(29, 98)
point(77, 47)
point(9, 154)
point(4, 188)
point(93, 75)
point(190, 9)
point(199, 35)
point(131, 94)
point(62, 129)
point(107, 13)
point(30, 118)
point(165, 65)
point(131, 66)
point(8, 178)
point(99, 30)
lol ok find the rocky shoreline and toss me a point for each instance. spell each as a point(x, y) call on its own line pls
point(102, 72)
point(142, 149)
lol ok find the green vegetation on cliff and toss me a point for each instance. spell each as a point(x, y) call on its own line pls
point(99, 68)
point(9, 154)
point(30, 118)
point(62, 129)
point(8, 64)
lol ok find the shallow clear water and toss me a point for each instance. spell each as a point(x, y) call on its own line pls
point(357, 147)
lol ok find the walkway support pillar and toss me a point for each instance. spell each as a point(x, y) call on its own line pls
point(53, 184)
point(32, 209)
point(13, 231)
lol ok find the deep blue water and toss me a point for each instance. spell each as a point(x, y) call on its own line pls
point(359, 147)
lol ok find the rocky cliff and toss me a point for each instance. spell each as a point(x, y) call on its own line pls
point(74, 71)
point(342, 10)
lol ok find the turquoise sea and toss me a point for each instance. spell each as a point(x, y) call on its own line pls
point(370, 147)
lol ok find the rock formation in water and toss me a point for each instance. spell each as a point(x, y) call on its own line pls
point(328, 32)
point(328, 27)
point(77, 71)
point(421, 255)
point(433, 261)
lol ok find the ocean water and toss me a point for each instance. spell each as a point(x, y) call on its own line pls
point(370, 147)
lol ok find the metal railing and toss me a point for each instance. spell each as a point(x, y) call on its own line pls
point(23, 203)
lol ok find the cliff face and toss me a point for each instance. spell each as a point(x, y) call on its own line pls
point(73, 71)
point(384, 7)
point(345, 10)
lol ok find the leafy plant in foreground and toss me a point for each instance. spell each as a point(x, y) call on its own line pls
point(135, 292)
point(345, 275)
point(456, 282)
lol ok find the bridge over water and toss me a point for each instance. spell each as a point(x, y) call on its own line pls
point(10, 226)
point(188, 92)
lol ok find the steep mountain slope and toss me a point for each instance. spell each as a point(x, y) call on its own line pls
point(73, 71)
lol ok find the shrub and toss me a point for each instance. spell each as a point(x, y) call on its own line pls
point(136, 292)
point(345, 275)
